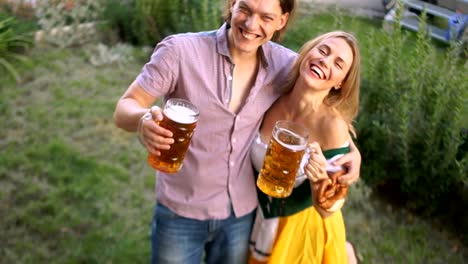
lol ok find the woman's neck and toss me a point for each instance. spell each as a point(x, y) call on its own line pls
point(303, 101)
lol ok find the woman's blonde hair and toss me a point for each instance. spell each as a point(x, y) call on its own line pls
point(346, 99)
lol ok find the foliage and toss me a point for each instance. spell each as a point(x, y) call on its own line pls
point(14, 40)
point(20, 8)
point(146, 22)
point(159, 18)
point(102, 54)
point(120, 16)
point(68, 22)
point(412, 118)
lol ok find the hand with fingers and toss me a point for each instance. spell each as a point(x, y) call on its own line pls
point(315, 169)
point(327, 193)
point(151, 135)
point(352, 162)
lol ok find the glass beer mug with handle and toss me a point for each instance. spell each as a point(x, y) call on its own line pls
point(180, 117)
point(282, 159)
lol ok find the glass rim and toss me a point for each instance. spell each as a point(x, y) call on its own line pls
point(294, 126)
point(192, 107)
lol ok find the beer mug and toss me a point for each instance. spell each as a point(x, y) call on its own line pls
point(180, 117)
point(283, 157)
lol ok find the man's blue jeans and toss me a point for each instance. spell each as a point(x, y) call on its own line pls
point(176, 239)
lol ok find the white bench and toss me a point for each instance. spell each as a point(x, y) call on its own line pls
point(412, 20)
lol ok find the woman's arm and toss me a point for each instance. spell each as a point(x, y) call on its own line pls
point(316, 172)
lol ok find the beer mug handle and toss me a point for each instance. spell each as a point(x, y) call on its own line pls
point(301, 175)
point(145, 117)
point(309, 152)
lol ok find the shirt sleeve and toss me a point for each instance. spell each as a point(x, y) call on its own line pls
point(159, 75)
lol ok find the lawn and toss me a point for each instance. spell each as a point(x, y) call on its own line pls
point(75, 189)
point(72, 187)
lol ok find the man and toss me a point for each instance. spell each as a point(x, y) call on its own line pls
point(233, 75)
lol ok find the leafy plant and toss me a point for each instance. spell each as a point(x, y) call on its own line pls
point(20, 8)
point(120, 16)
point(12, 42)
point(159, 18)
point(412, 117)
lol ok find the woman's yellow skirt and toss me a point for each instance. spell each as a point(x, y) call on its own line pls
point(306, 237)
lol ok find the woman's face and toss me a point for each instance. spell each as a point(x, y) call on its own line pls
point(326, 65)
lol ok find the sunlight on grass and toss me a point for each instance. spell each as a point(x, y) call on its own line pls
point(74, 188)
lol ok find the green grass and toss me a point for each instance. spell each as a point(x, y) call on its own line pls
point(383, 233)
point(75, 189)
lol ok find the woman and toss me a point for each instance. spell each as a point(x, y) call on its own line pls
point(323, 96)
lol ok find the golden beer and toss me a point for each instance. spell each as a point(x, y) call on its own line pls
point(180, 117)
point(282, 159)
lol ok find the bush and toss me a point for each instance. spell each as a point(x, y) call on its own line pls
point(158, 18)
point(68, 22)
point(146, 22)
point(120, 16)
point(14, 39)
point(20, 8)
point(412, 118)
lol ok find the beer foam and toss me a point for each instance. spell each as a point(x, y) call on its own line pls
point(301, 142)
point(293, 148)
point(181, 114)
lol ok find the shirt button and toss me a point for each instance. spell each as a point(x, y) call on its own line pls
point(234, 140)
point(230, 78)
point(237, 118)
point(231, 163)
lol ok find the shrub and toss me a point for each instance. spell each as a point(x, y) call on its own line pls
point(412, 118)
point(20, 8)
point(14, 39)
point(68, 22)
point(120, 16)
point(158, 18)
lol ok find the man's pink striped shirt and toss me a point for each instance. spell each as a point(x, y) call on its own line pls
point(217, 173)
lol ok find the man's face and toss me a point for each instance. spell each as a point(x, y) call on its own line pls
point(254, 23)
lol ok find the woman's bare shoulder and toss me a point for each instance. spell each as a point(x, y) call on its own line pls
point(333, 131)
